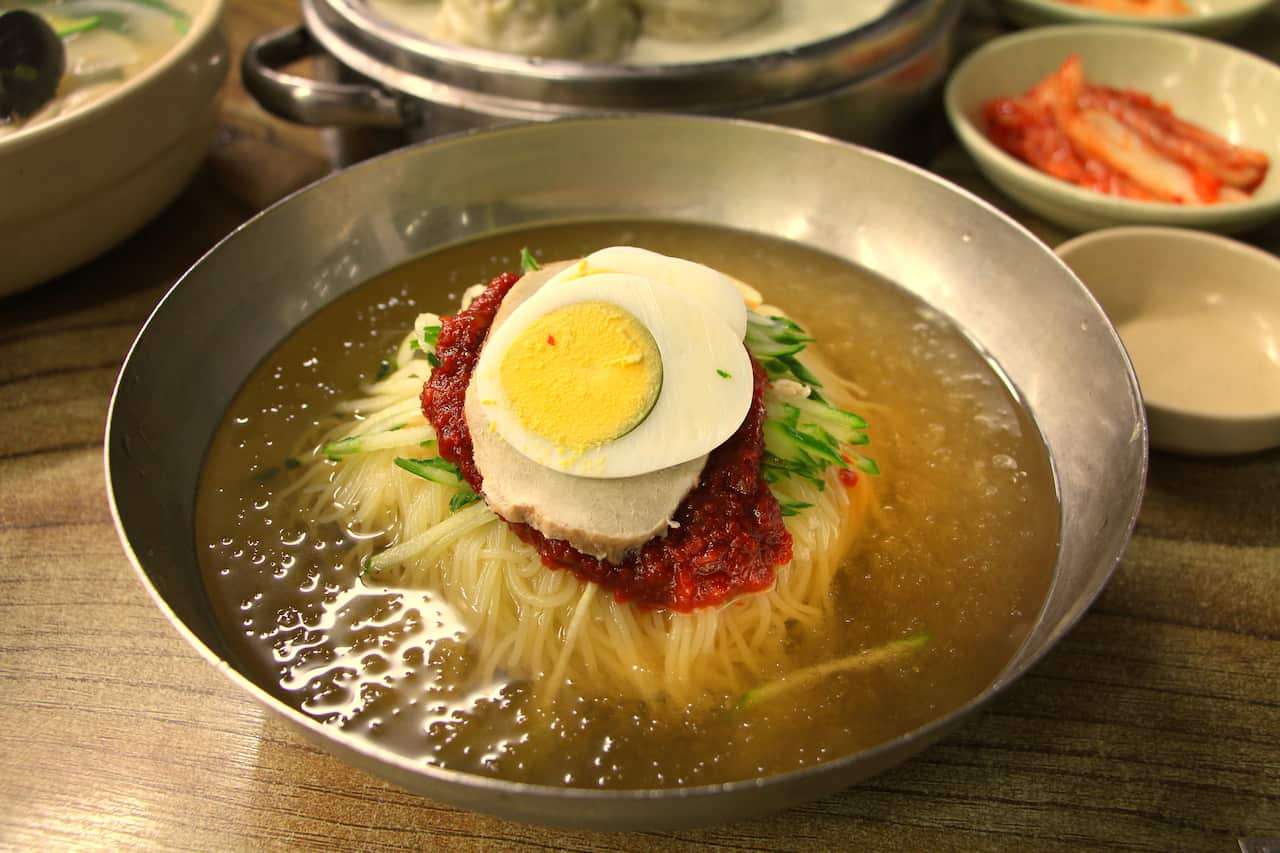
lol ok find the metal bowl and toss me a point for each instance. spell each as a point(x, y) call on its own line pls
point(1001, 286)
point(387, 86)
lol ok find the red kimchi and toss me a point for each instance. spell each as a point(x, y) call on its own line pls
point(1120, 142)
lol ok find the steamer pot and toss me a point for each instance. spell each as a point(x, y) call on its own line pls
point(1002, 287)
point(382, 87)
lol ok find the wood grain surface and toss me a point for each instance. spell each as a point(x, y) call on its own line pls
point(1154, 726)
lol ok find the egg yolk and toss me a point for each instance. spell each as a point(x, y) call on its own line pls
point(582, 375)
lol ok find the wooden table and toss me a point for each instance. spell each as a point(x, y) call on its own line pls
point(1155, 725)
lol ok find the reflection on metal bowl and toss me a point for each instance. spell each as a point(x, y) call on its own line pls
point(1003, 288)
point(388, 87)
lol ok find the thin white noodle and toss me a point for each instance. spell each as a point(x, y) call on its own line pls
point(580, 611)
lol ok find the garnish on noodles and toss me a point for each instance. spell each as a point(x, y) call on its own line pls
point(1120, 142)
point(640, 424)
point(641, 464)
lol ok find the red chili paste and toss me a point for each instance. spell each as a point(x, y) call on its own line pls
point(445, 393)
point(730, 534)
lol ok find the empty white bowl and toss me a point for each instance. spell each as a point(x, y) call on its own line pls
point(1215, 18)
point(1200, 317)
point(1228, 91)
point(75, 185)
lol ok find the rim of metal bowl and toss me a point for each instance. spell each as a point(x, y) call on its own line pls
point(469, 787)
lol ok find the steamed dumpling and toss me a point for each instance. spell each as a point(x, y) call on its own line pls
point(700, 20)
point(589, 30)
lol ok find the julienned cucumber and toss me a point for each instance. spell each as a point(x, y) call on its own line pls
point(435, 469)
point(893, 652)
point(439, 471)
point(770, 337)
point(797, 444)
point(803, 433)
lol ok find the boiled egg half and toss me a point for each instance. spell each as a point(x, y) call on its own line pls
point(624, 363)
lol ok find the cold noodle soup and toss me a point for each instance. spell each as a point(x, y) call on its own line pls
point(355, 589)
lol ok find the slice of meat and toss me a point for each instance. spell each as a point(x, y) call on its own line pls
point(604, 518)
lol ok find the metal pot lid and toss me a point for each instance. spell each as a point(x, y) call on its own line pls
point(525, 87)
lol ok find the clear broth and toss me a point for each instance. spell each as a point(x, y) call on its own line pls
point(963, 545)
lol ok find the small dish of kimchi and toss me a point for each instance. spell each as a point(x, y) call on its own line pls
point(1092, 127)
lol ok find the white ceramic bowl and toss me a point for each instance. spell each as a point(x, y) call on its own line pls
point(1217, 18)
point(1233, 93)
point(1200, 316)
point(79, 183)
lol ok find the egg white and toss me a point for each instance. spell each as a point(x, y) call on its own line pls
point(711, 289)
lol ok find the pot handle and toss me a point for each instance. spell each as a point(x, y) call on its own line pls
point(306, 101)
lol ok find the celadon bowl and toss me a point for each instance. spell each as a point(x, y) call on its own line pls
point(75, 185)
point(1228, 91)
point(1003, 288)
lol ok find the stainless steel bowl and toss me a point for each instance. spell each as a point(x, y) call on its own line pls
point(386, 87)
point(1007, 291)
